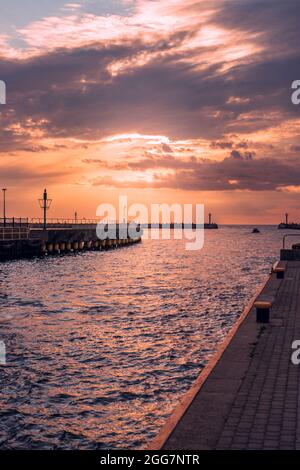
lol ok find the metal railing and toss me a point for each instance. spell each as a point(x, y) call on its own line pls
point(14, 233)
point(71, 221)
point(14, 221)
point(37, 223)
point(26, 224)
point(64, 221)
point(288, 235)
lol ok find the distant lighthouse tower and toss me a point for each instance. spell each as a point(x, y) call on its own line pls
point(286, 218)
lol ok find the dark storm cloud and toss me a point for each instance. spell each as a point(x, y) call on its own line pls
point(275, 21)
point(154, 98)
point(267, 81)
point(242, 156)
point(161, 97)
point(71, 93)
point(164, 95)
point(221, 145)
point(228, 145)
point(243, 173)
point(149, 162)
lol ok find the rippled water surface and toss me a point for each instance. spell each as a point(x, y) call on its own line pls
point(100, 346)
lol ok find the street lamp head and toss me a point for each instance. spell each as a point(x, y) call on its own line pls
point(45, 204)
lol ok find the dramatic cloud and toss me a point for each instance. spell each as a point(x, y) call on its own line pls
point(197, 93)
point(236, 172)
point(179, 74)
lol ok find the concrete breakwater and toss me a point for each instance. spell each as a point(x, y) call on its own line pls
point(193, 226)
point(27, 241)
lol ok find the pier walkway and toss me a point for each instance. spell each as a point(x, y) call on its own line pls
point(248, 396)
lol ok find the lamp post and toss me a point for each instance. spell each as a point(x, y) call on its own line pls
point(45, 204)
point(4, 206)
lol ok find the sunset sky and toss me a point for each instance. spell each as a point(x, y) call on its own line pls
point(163, 101)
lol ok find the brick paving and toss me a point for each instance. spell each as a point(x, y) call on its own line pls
point(264, 414)
point(250, 399)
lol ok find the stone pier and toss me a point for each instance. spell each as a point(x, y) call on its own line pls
point(248, 395)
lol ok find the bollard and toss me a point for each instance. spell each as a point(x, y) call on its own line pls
point(262, 311)
point(280, 273)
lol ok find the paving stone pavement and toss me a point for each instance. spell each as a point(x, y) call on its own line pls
point(250, 398)
point(264, 414)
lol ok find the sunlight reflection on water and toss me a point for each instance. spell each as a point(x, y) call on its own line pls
point(100, 346)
